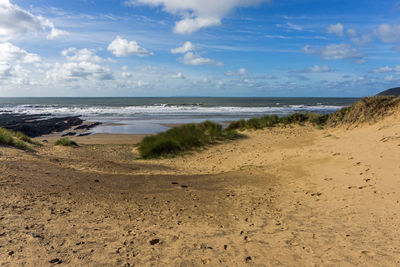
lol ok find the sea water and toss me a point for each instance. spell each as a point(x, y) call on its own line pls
point(151, 115)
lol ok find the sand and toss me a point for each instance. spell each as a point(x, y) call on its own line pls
point(294, 196)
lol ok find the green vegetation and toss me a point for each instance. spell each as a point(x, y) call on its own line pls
point(273, 120)
point(187, 137)
point(65, 142)
point(17, 140)
point(190, 136)
point(184, 138)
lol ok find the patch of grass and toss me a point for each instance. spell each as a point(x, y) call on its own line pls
point(27, 139)
point(273, 120)
point(184, 138)
point(16, 139)
point(236, 125)
point(65, 142)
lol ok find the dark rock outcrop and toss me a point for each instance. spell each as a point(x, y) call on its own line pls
point(37, 125)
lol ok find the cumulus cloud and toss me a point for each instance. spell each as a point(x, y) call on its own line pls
point(81, 64)
point(335, 52)
point(194, 59)
point(72, 71)
point(11, 53)
point(73, 54)
point(197, 14)
point(6, 70)
point(123, 48)
point(14, 20)
point(388, 33)
point(335, 29)
point(357, 39)
point(186, 47)
point(191, 58)
point(190, 25)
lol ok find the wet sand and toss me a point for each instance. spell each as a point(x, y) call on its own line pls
point(294, 196)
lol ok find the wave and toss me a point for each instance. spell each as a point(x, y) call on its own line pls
point(162, 110)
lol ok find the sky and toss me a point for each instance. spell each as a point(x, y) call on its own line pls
point(227, 48)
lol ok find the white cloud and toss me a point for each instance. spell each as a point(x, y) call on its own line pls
point(72, 71)
point(197, 14)
point(126, 74)
point(239, 72)
point(359, 40)
point(335, 29)
point(73, 54)
point(335, 52)
point(351, 32)
point(6, 70)
point(190, 25)
point(386, 69)
point(383, 69)
point(81, 65)
point(389, 78)
point(193, 59)
point(123, 48)
point(186, 47)
point(388, 33)
point(14, 20)
point(313, 69)
point(178, 75)
point(11, 53)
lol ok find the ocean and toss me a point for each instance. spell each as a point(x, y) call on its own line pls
point(152, 114)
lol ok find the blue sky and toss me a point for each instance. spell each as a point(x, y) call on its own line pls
point(198, 47)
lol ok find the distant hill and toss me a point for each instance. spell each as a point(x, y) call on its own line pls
point(392, 92)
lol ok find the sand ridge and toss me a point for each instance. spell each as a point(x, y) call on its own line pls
point(280, 197)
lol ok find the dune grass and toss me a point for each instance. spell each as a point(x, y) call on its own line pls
point(17, 140)
point(318, 120)
point(184, 138)
point(367, 110)
point(190, 136)
point(65, 142)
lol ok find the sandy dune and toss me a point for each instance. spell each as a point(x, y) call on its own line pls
point(293, 196)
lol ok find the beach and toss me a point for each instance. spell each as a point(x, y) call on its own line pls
point(282, 196)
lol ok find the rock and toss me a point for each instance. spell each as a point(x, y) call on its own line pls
point(248, 259)
point(11, 253)
point(34, 235)
point(37, 125)
point(56, 261)
point(88, 127)
point(84, 134)
point(69, 134)
point(154, 241)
